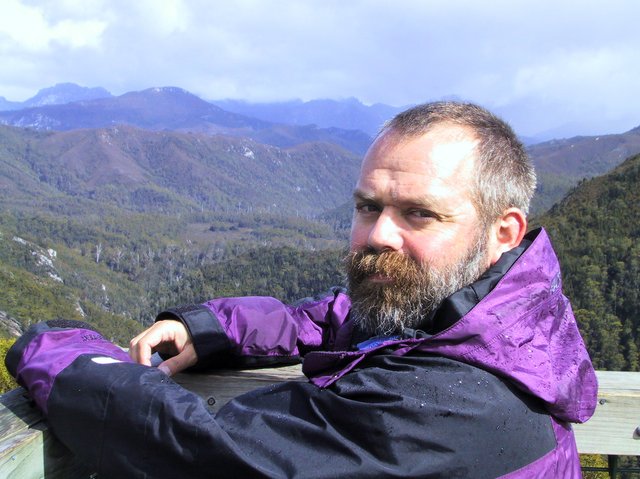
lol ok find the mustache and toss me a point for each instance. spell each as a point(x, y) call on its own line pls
point(396, 266)
point(385, 307)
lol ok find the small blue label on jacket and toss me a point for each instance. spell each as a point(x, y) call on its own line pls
point(375, 341)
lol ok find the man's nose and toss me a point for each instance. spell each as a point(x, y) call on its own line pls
point(385, 234)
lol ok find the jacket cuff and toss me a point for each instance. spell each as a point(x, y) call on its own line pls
point(15, 353)
point(208, 337)
point(47, 349)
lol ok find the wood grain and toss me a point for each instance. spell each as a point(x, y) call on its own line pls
point(613, 429)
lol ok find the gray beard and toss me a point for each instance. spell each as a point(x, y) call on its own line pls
point(389, 309)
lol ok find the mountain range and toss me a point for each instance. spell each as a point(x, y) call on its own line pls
point(171, 108)
point(561, 164)
point(56, 95)
point(347, 114)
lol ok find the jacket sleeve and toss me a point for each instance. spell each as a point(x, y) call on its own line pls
point(262, 330)
point(388, 420)
point(47, 348)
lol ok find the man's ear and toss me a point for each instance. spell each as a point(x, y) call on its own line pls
point(506, 233)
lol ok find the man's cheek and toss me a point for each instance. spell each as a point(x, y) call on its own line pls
point(357, 243)
point(359, 235)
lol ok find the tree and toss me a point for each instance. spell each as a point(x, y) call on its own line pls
point(98, 252)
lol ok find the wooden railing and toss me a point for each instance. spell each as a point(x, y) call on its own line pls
point(28, 450)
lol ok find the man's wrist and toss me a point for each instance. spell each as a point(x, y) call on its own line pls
point(207, 334)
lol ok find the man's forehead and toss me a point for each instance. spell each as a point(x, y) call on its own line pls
point(441, 132)
point(442, 151)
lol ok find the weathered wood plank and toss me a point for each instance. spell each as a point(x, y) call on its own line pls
point(27, 449)
point(218, 387)
point(613, 429)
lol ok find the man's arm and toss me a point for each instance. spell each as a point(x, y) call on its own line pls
point(244, 331)
point(396, 417)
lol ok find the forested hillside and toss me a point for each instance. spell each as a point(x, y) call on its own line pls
point(279, 135)
point(562, 164)
point(113, 224)
point(119, 271)
point(82, 172)
point(596, 232)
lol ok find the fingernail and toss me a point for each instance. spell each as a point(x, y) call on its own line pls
point(164, 369)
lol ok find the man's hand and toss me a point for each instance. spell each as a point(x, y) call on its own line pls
point(170, 337)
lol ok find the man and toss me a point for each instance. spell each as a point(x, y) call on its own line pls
point(454, 353)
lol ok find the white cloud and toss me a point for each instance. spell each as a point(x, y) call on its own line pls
point(78, 34)
point(575, 57)
point(602, 79)
point(25, 28)
point(22, 25)
point(162, 17)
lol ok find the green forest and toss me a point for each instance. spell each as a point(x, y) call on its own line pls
point(595, 231)
point(120, 274)
point(118, 271)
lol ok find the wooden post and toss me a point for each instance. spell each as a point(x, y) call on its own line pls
point(613, 429)
point(27, 449)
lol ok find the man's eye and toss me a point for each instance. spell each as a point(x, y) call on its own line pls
point(421, 214)
point(367, 208)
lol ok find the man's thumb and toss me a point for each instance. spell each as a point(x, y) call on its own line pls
point(182, 361)
point(171, 366)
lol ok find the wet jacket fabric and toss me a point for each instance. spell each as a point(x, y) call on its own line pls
point(486, 388)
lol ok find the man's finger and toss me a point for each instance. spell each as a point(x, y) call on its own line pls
point(179, 363)
point(164, 336)
point(141, 347)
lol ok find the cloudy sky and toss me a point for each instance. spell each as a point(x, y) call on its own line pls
point(568, 66)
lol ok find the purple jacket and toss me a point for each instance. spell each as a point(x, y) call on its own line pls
point(522, 330)
point(487, 390)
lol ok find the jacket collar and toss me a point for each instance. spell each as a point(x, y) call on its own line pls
point(514, 322)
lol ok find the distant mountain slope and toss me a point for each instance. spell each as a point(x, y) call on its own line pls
point(348, 114)
point(143, 170)
point(171, 108)
point(561, 164)
point(156, 108)
point(57, 95)
point(9, 105)
point(597, 236)
point(65, 93)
